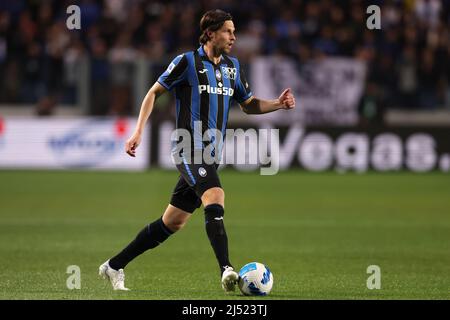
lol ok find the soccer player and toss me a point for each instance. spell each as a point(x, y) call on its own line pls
point(205, 82)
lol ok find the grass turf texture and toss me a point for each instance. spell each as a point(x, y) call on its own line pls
point(318, 233)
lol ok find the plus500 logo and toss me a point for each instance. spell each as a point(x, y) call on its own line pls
point(225, 91)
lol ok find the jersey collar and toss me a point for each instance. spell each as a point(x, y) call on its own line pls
point(204, 56)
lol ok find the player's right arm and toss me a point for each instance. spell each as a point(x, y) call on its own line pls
point(173, 76)
point(146, 109)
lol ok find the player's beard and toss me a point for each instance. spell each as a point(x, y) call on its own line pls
point(218, 50)
point(226, 48)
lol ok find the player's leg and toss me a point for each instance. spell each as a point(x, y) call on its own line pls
point(212, 196)
point(151, 236)
point(213, 200)
point(205, 182)
point(184, 201)
point(175, 218)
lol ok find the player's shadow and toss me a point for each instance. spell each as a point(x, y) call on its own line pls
point(271, 296)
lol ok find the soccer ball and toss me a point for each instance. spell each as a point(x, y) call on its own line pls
point(255, 279)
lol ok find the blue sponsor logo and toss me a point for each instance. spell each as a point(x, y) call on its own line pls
point(87, 145)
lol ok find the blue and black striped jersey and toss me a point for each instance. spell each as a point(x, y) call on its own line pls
point(204, 90)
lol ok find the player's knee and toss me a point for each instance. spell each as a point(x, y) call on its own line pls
point(213, 195)
point(175, 226)
point(174, 219)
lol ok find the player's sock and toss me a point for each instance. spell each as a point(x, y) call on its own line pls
point(215, 230)
point(151, 236)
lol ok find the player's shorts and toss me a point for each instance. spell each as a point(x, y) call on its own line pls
point(194, 180)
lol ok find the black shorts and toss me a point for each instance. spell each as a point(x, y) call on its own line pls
point(194, 180)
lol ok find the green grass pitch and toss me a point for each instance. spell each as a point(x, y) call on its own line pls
point(318, 232)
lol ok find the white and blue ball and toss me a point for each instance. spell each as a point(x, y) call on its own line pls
point(255, 279)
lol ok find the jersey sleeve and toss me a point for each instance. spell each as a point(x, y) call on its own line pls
point(242, 89)
point(175, 73)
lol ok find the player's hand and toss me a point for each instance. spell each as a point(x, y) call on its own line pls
point(132, 144)
point(287, 99)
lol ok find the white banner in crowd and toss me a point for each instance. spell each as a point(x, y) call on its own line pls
point(83, 143)
point(327, 91)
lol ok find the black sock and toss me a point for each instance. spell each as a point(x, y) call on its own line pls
point(215, 230)
point(149, 237)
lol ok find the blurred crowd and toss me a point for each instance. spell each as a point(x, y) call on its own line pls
point(408, 59)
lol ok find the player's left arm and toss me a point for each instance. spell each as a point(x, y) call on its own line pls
point(255, 105)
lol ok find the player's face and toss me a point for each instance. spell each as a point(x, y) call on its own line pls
point(224, 38)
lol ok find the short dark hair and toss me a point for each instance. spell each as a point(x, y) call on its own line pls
point(212, 20)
